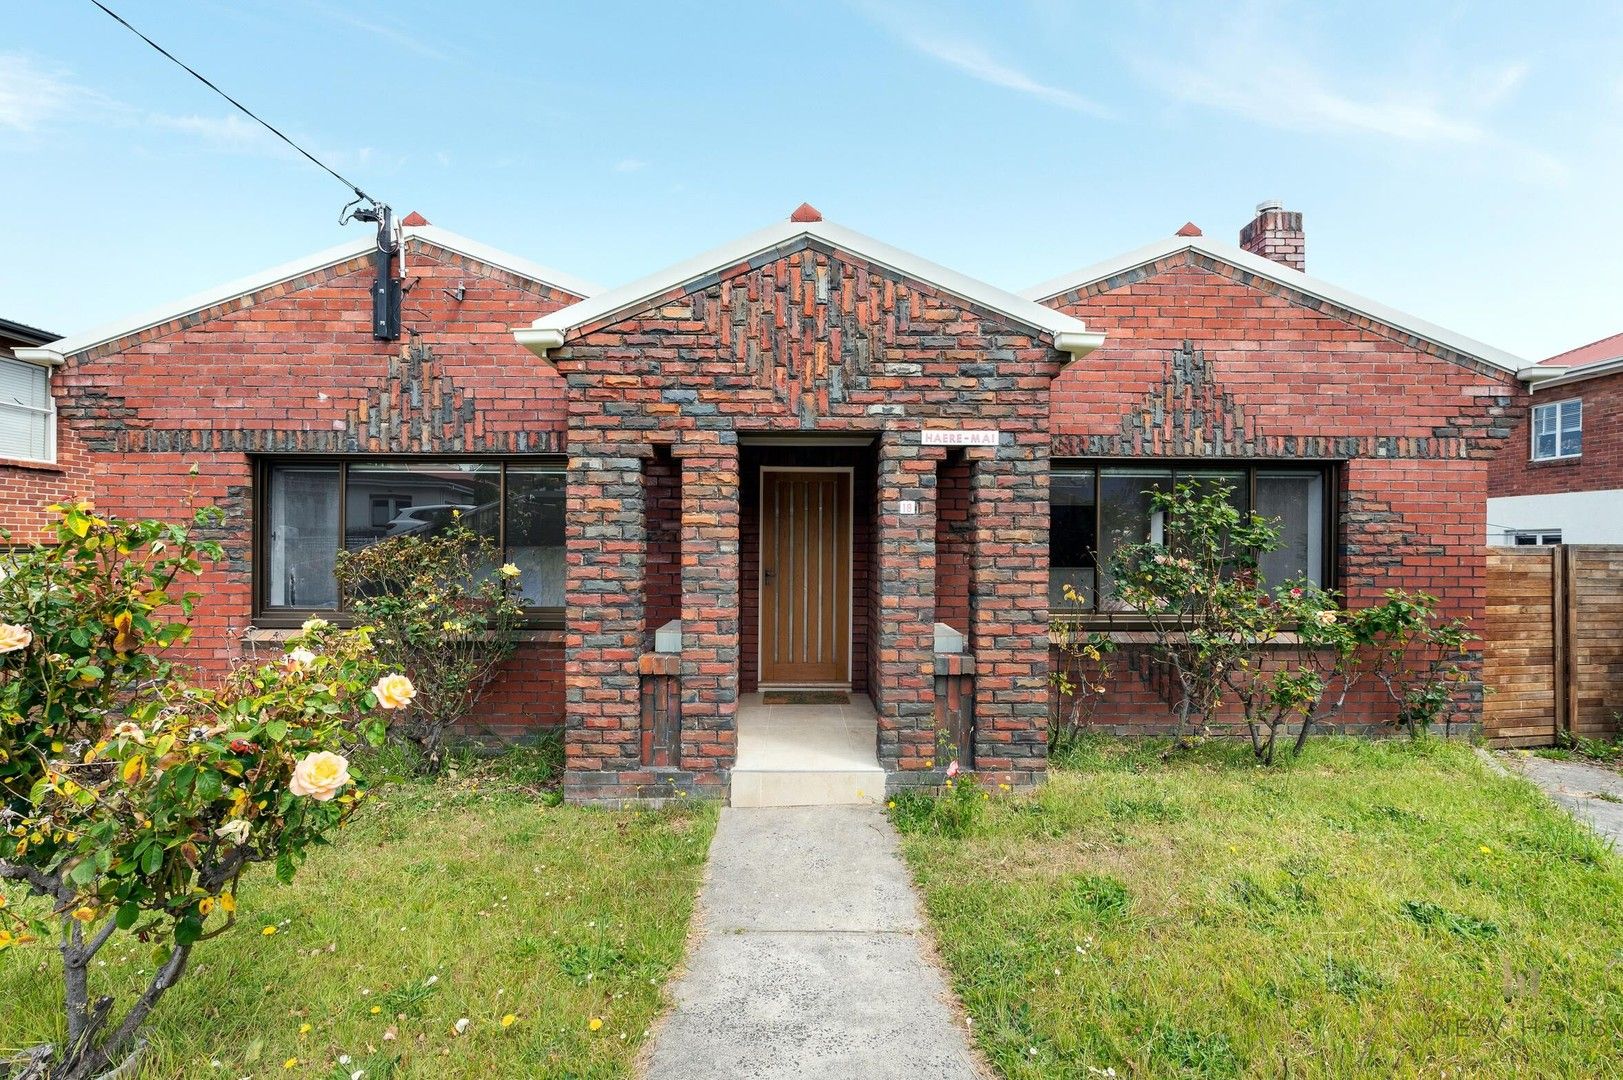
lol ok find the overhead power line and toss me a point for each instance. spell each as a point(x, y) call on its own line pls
point(334, 173)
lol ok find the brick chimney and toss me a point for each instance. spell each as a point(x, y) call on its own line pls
point(1276, 233)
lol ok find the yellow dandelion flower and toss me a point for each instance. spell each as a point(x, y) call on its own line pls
point(1485, 849)
point(596, 1024)
point(290, 1063)
point(304, 1029)
point(268, 931)
point(374, 1010)
point(509, 1020)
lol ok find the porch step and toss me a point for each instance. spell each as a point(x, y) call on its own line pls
point(807, 787)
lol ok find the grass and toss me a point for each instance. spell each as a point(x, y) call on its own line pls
point(1608, 752)
point(472, 898)
point(1380, 909)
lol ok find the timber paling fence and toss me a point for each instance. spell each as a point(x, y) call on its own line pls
point(1552, 650)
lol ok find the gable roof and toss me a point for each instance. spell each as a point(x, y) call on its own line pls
point(29, 335)
point(55, 351)
point(1283, 275)
point(1596, 352)
point(1070, 334)
point(1592, 361)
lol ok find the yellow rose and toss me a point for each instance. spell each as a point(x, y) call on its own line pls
point(394, 691)
point(510, 571)
point(320, 776)
point(14, 637)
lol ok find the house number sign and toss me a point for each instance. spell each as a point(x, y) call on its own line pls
point(957, 437)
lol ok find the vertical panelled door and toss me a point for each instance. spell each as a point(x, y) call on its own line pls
point(805, 577)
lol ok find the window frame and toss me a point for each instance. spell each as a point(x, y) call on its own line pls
point(270, 617)
point(48, 411)
point(1330, 472)
point(1532, 429)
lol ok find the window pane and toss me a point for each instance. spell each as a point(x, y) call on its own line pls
point(535, 533)
point(1571, 428)
point(303, 536)
point(1543, 419)
point(1207, 482)
point(25, 416)
point(1125, 518)
point(1296, 500)
point(1544, 446)
point(1072, 515)
point(386, 499)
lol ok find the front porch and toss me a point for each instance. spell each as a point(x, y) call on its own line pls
point(792, 465)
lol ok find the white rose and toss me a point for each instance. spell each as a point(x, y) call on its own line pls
point(394, 691)
point(129, 730)
point(320, 776)
point(14, 637)
point(301, 658)
point(234, 831)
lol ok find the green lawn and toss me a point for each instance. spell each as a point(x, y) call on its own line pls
point(1374, 909)
point(466, 899)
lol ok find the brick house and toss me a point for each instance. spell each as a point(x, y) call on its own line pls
point(1559, 478)
point(803, 462)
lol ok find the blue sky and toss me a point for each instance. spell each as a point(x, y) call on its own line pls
point(1459, 161)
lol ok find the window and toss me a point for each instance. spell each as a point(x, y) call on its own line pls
point(1558, 430)
point(310, 510)
point(27, 413)
point(1536, 539)
point(1097, 509)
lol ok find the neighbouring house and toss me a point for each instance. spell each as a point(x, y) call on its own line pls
point(1559, 478)
point(802, 462)
point(27, 410)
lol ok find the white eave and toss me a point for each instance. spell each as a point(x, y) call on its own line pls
point(1539, 377)
point(1070, 334)
point(56, 351)
point(1283, 275)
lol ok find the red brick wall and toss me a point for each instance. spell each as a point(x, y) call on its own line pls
point(663, 477)
point(954, 544)
point(295, 370)
point(1202, 361)
point(1600, 468)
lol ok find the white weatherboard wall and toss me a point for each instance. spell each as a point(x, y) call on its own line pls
point(1583, 517)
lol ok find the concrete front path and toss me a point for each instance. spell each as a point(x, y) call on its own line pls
point(809, 959)
point(1576, 785)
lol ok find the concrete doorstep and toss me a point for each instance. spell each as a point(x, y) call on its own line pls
point(810, 959)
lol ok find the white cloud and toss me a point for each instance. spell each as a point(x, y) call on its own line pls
point(977, 63)
point(1275, 80)
point(630, 165)
point(31, 96)
point(383, 31)
point(923, 32)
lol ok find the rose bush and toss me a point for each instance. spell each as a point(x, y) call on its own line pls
point(132, 799)
point(442, 613)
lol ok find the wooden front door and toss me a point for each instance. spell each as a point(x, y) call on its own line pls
point(805, 577)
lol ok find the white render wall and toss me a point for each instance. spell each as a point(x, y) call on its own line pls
point(1583, 517)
